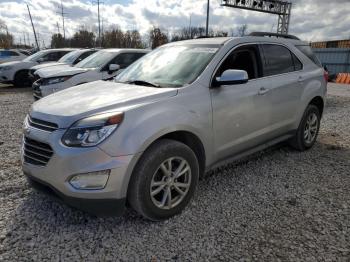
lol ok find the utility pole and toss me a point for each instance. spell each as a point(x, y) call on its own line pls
point(207, 27)
point(31, 20)
point(190, 26)
point(24, 37)
point(99, 21)
point(58, 28)
point(63, 14)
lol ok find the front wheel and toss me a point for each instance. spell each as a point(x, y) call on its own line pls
point(308, 129)
point(164, 180)
point(21, 79)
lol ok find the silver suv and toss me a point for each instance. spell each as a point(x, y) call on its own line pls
point(182, 109)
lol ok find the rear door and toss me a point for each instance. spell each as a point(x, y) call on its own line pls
point(283, 82)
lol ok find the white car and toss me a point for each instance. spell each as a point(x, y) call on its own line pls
point(70, 59)
point(16, 72)
point(9, 55)
point(103, 65)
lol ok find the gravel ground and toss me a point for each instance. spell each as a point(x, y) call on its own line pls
point(278, 205)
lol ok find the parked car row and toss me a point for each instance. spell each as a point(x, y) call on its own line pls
point(53, 70)
point(145, 138)
point(16, 72)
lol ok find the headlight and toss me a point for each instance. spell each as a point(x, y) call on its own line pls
point(55, 80)
point(92, 130)
point(4, 68)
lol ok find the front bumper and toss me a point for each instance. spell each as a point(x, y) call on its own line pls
point(40, 90)
point(6, 76)
point(66, 162)
point(99, 207)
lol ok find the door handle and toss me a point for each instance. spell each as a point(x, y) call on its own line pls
point(300, 79)
point(263, 91)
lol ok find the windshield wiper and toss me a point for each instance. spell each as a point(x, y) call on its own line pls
point(143, 83)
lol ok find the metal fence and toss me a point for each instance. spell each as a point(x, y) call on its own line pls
point(337, 60)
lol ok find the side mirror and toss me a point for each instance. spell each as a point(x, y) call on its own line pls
point(232, 77)
point(113, 67)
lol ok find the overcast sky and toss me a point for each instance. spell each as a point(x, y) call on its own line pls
point(311, 20)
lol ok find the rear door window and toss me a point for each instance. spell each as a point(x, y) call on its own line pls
point(306, 50)
point(278, 60)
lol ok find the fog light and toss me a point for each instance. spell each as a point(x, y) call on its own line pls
point(90, 181)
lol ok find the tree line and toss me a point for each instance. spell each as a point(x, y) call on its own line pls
point(115, 37)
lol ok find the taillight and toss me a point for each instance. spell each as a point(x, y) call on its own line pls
point(326, 75)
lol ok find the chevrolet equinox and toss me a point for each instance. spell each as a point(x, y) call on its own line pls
point(147, 137)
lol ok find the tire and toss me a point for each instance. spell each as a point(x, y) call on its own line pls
point(300, 141)
point(151, 169)
point(21, 79)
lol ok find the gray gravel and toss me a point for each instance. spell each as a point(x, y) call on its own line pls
point(278, 205)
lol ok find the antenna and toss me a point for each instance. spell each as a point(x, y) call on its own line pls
point(31, 20)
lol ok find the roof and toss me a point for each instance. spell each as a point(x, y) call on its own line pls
point(115, 50)
point(224, 40)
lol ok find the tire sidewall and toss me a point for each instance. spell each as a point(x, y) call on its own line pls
point(309, 110)
point(21, 78)
point(148, 166)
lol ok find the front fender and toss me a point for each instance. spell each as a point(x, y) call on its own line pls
point(145, 124)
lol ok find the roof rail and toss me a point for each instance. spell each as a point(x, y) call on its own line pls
point(269, 34)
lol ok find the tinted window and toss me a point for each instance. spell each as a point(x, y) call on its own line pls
point(126, 59)
point(243, 58)
point(278, 60)
point(84, 55)
point(297, 64)
point(8, 53)
point(306, 50)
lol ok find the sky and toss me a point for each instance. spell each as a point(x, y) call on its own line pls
point(311, 20)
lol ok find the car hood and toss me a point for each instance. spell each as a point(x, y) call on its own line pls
point(46, 72)
point(61, 71)
point(37, 67)
point(67, 106)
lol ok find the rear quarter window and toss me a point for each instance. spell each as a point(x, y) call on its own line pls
point(306, 50)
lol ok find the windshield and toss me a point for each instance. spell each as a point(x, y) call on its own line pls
point(170, 66)
point(70, 57)
point(96, 60)
point(36, 56)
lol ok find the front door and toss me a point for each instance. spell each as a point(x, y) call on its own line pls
point(241, 113)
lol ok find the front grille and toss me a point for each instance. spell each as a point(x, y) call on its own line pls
point(36, 90)
point(36, 153)
point(41, 124)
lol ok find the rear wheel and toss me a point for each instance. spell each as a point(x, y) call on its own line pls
point(308, 129)
point(164, 180)
point(21, 79)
